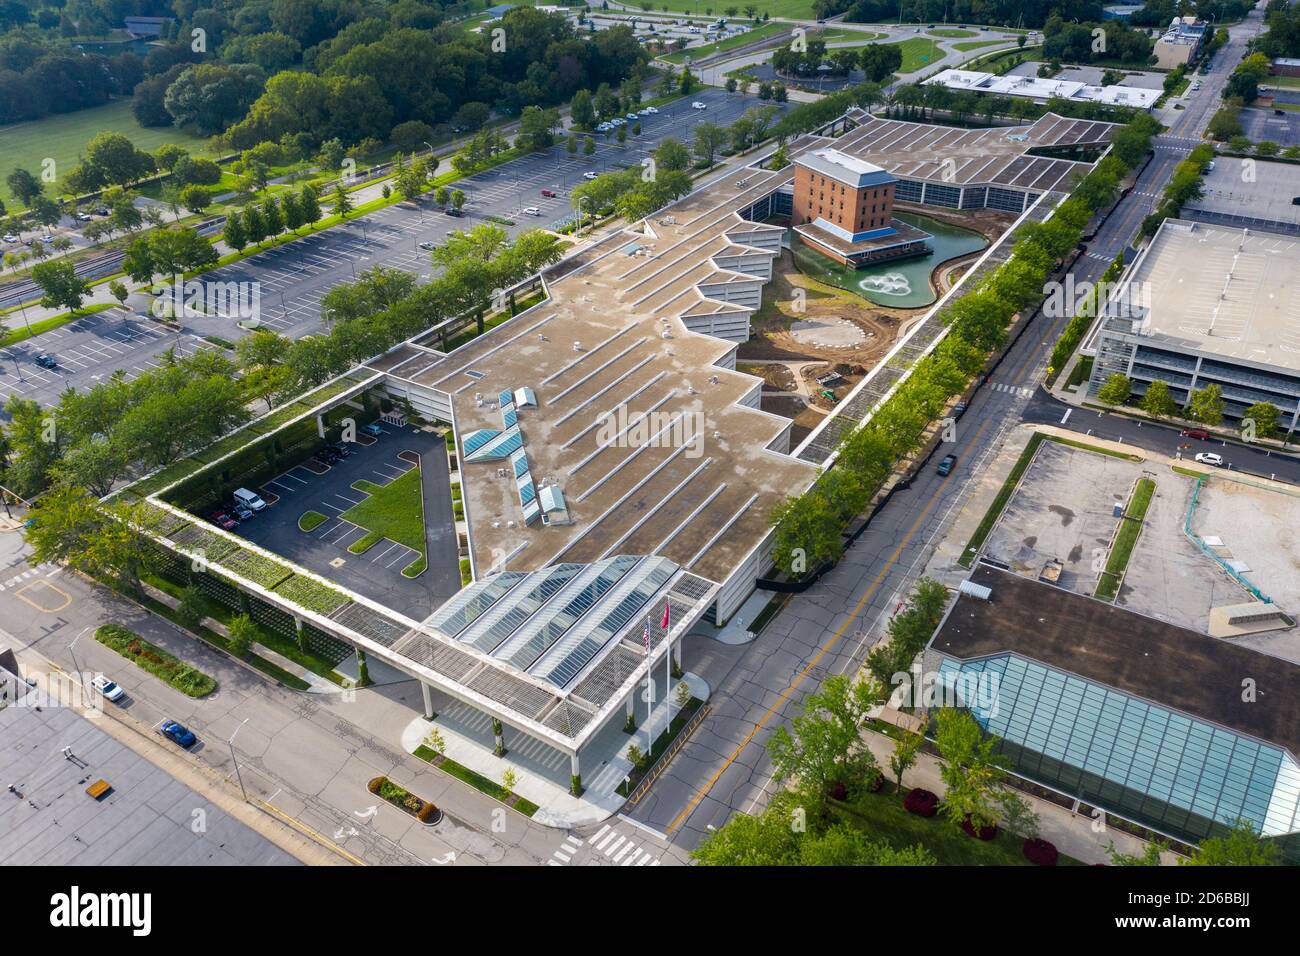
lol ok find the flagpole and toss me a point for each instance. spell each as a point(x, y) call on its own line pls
point(650, 694)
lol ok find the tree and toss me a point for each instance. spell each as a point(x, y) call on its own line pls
point(1262, 416)
point(118, 291)
point(179, 249)
point(195, 199)
point(1241, 846)
point(1157, 401)
point(342, 204)
point(62, 286)
point(1205, 405)
point(193, 606)
point(24, 186)
point(242, 634)
point(71, 527)
point(309, 203)
point(582, 114)
point(826, 745)
point(1116, 389)
point(411, 135)
point(907, 747)
point(972, 773)
point(234, 234)
point(707, 139)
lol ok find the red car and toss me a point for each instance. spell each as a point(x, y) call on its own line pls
point(223, 520)
point(1198, 433)
point(549, 193)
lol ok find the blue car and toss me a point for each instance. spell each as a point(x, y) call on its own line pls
point(372, 429)
point(178, 734)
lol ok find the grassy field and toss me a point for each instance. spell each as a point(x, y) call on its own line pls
point(950, 33)
point(63, 137)
point(730, 43)
point(881, 816)
point(976, 44)
point(788, 9)
point(918, 52)
point(394, 511)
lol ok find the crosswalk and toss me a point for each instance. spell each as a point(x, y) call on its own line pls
point(1022, 391)
point(47, 570)
point(618, 848)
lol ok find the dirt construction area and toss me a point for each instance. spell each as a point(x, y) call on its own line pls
point(1063, 510)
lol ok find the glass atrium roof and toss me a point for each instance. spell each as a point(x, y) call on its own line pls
point(1155, 765)
point(553, 622)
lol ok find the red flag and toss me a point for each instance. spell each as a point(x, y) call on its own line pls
point(664, 623)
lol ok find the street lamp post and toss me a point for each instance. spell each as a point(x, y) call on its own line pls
point(72, 650)
point(235, 760)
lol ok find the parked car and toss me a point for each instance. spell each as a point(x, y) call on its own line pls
point(178, 733)
point(946, 466)
point(343, 451)
point(630, 117)
point(237, 510)
point(1198, 433)
point(1209, 458)
point(106, 687)
point(958, 410)
point(102, 211)
point(589, 175)
point(249, 499)
point(428, 246)
point(549, 193)
point(327, 457)
point(46, 360)
point(643, 112)
point(1295, 201)
point(652, 110)
point(532, 211)
point(84, 217)
point(372, 428)
point(697, 105)
point(453, 211)
point(10, 237)
point(224, 520)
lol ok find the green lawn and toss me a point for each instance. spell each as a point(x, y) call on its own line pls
point(787, 9)
point(950, 33)
point(917, 53)
point(730, 43)
point(1286, 82)
point(1126, 539)
point(62, 138)
point(976, 44)
point(394, 511)
point(881, 816)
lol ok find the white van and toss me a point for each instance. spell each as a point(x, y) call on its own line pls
point(248, 499)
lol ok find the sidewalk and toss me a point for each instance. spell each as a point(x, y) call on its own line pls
point(1074, 834)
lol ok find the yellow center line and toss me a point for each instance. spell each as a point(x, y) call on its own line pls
point(834, 639)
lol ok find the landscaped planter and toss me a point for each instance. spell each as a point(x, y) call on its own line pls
point(1040, 852)
point(404, 800)
point(983, 833)
point(921, 802)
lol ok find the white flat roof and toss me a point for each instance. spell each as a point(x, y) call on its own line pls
point(1228, 292)
point(1043, 89)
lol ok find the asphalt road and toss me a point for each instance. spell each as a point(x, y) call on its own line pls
point(830, 628)
point(292, 278)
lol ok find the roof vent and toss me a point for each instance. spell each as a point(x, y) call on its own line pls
point(577, 346)
point(713, 380)
point(977, 591)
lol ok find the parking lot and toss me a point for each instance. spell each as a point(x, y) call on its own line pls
point(328, 490)
point(1249, 193)
point(1265, 124)
point(88, 350)
point(293, 278)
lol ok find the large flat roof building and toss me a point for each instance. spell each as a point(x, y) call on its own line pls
point(1041, 90)
point(1205, 304)
point(611, 461)
point(1143, 719)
